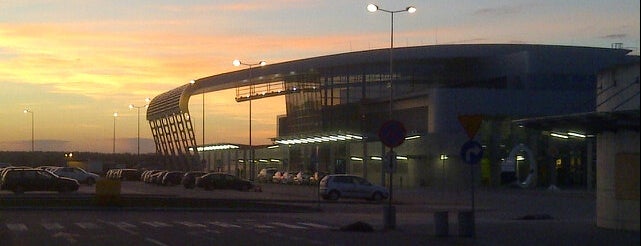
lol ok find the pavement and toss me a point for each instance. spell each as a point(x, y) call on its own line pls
point(501, 216)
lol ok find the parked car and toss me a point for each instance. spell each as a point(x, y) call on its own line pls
point(23, 180)
point(302, 178)
point(335, 186)
point(172, 178)
point(314, 179)
point(278, 176)
point(217, 180)
point(78, 174)
point(266, 174)
point(189, 179)
point(287, 178)
point(130, 174)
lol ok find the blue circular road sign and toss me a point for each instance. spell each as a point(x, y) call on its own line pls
point(471, 152)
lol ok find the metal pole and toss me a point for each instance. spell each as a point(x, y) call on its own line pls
point(138, 133)
point(114, 142)
point(32, 138)
point(251, 147)
point(391, 66)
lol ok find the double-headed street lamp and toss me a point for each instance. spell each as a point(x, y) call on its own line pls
point(131, 106)
point(390, 211)
point(251, 91)
point(374, 8)
point(28, 111)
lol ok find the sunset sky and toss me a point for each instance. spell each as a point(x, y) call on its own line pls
point(74, 63)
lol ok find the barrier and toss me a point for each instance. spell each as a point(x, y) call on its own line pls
point(466, 224)
point(441, 224)
point(108, 192)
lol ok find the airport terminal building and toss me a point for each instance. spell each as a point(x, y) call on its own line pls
point(336, 104)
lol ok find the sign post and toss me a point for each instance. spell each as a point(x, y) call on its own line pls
point(471, 153)
point(392, 134)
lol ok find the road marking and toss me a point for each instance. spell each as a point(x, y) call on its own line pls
point(87, 225)
point(70, 237)
point(190, 224)
point(288, 225)
point(17, 227)
point(156, 242)
point(318, 226)
point(156, 224)
point(123, 226)
point(263, 226)
point(226, 225)
point(52, 226)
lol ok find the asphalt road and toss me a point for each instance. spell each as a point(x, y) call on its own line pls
point(501, 218)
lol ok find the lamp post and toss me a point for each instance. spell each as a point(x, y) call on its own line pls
point(131, 106)
point(115, 115)
point(28, 111)
point(251, 90)
point(192, 82)
point(374, 8)
point(443, 158)
point(389, 215)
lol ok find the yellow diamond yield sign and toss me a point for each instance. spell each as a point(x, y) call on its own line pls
point(471, 124)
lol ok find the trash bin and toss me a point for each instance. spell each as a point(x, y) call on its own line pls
point(466, 224)
point(441, 224)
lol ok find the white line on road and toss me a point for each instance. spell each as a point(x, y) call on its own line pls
point(222, 224)
point(288, 225)
point(156, 224)
point(52, 226)
point(319, 226)
point(156, 242)
point(190, 224)
point(17, 227)
point(87, 225)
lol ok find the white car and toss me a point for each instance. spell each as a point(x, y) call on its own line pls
point(76, 173)
point(335, 186)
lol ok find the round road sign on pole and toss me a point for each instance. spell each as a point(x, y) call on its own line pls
point(392, 133)
point(471, 152)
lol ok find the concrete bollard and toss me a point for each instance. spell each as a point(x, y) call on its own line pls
point(441, 224)
point(466, 224)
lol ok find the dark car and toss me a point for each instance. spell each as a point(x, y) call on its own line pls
point(172, 178)
point(189, 179)
point(23, 180)
point(212, 181)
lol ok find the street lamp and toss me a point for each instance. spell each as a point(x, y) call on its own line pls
point(443, 158)
point(251, 90)
point(374, 8)
point(203, 162)
point(390, 212)
point(131, 106)
point(28, 111)
point(114, 143)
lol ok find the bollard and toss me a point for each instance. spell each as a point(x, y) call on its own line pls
point(389, 214)
point(107, 192)
point(441, 224)
point(466, 224)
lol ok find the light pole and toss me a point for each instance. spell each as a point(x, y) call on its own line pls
point(192, 82)
point(374, 8)
point(131, 106)
point(389, 215)
point(251, 90)
point(443, 158)
point(28, 111)
point(114, 142)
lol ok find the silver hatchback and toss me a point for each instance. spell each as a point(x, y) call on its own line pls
point(335, 186)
